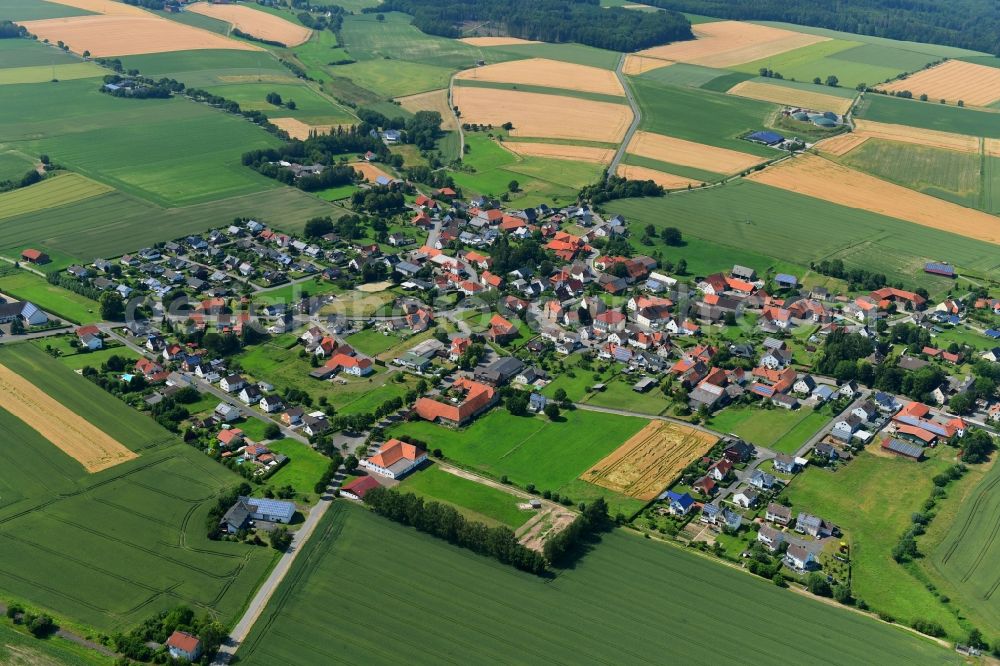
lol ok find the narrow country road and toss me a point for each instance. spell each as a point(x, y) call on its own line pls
point(636, 117)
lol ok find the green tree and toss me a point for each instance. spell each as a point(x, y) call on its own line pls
point(280, 539)
point(832, 81)
point(672, 236)
point(513, 186)
point(112, 307)
point(552, 411)
point(272, 431)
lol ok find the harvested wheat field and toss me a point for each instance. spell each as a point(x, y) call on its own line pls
point(842, 144)
point(71, 433)
point(256, 23)
point(434, 100)
point(541, 115)
point(768, 92)
point(547, 74)
point(495, 41)
point(690, 154)
point(729, 43)
point(560, 151)
point(121, 35)
point(953, 80)
point(817, 177)
point(370, 172)
point(662, 178)
point(300, 130)
point(637, 64)
point(107, 7)
point(992, 147)
point(650, 460)
point(921, 137)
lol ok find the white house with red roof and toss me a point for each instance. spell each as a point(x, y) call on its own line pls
point(394, 459)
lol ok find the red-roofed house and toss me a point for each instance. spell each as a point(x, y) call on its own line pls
point(183, 645)
point(394, 459)
point(476, 400)
point(352, 365)
point(458, 347)
point(611, 320)
point(33, 256)
point(901, 298)
point(358, 488)
point(501, 330)
point(229, 437)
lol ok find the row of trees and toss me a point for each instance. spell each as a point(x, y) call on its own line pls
point(582, 21)
point(134, 644)
point(445, 522)
point(30, 177)
point(11, 30)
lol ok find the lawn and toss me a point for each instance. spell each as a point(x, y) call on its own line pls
point(526, 449)
point(476, 501)
point(872, 499)
point(928, 115)
point(304, 468)
point(618, 394)
point(14, 165)
point(666, 607)
point(751, 217)
point(576, 381)
point(62, 302)
point(171, 152)
point(783, 429)
point(108, 550)
point(373, 342)
point(94, 359)
point(703, 116)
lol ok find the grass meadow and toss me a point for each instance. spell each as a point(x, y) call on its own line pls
point(13, 165)
point(311, 107)
point(826, 58)
point(475, 501)
point(207, 67)
point(19, 647)
point(783, 430)
point(648, 601)
point(928, 115)
point(51, 298)
point(60, 525)
point(872, 499)
point(16, 53)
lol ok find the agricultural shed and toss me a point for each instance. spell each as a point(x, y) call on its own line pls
point(939, 268)
point(902, 448)
point(823, 121)
point(767, 138)
point(801, 116)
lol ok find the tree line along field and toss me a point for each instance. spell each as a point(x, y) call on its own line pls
point(20, 648)
point(626, 600)
point(57, 523)
point(476, 501)
point(777, 223)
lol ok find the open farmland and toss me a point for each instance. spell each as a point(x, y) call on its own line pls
point(667, 180)
point(476, 501)
point(27, 10)
point(842, 144)
point(928, 115)
point(45, 73)
point(58, 523)
point(16, 53)
point(916, 135)
point(953, 80)
point(311, 107)
point(495, 41)
point(435, 100)
point(548, 74)
point(17, 646)
point(71, 433)
point(665, 601)
point(728, 43)
point(370, 171)
point(648, 462)
point(561, 151)
point(540, 115)
point(636, 64)
point(789, 96)
point(817, 177)
point(14, 165)
point(58, 190)
point(205, 67)
point(257, 23)
point(690, 154)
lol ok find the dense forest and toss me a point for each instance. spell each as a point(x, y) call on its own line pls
point(581, 21)
point(971, 24)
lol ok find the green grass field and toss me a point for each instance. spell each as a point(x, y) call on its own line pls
point(389, 78)
point(215, 25)
point(45, 73)
point(394, 39)
point(683, 74)
point(929, 115)
point(13, 165)
point(677, 169)
point(62, 302)
point(550, 455)
point(170, 152)
point(618, 394)
point(31, 10)
point(930, 49)
point(871, 499)
point(211, 66)
point(28, 52)
point(475, 501)
point(651, 603)
point(114, 223)
point(311, 107)
point(781, 429)
point(946, 174)
point(19, 647)
point(304, 468)
point(751, 217)
point(108, 550)
point(544, 90)
point(698, 115)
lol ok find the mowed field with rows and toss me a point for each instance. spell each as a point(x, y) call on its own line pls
point(628, 600)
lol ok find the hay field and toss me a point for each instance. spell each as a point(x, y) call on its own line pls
point(561, 151)
point(121, 35)
point(58, 190)
point(434, 100)
point(820, 178)
point(548, 74)
point(541, 115)
point(300, 130)
point(667, 180)
point(690, 154)
point(637, 64)
point(256, 23)
point(495, 41)
point(842, 143)
point(646, 464)
point(919, 136)
point(767, 92)
point(106, 7)
point(370, 172)
point(953, 80)
point(728, 43)
point(68, 431)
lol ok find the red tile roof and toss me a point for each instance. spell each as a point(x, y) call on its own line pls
point(182, 640)
point(360, 486)
point(477, 397)
point(395, 450)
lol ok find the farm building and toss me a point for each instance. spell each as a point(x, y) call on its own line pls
point(357, 488)
point(246, 509)
point(939, 268)
point(395, 459)
point(35, 256)
point(765, 137)
point(902, 448)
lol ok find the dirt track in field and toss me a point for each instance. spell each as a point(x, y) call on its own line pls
point(636, 64)
point(254, 22)
point(560, 151)
point(70, 432)
point(541, 115)
point(953, 80)
point(769, 92)
point(729, 43)
point(822, 179)
point(690, 154)
point(667, 180)
point(547, 74)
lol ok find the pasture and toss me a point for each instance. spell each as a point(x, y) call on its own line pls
point(650, 460)
point(205, 67)
point(311, 107)
point(872, 499)
point(57, 190)
point(769, 427)
point(749, 217)
point(702, 117)
point(18, 53)
point(823, 59)
point(929, 115)
point(953, 80)
point(396, 40)
point(171, 152)
point(551, 455)
point(821, 178)
point(13, 165)
point(46, 73)
point(666, 606)
point(476, 501)
point(51, 298)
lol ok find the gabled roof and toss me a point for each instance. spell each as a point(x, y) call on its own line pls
point(395, 450)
